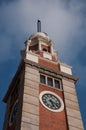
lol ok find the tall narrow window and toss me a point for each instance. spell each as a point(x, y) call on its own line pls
point(57, 84)
point(49, 81)
point(42, 79)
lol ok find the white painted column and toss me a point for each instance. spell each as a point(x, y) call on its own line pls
point(39, 45)
point(51, 47)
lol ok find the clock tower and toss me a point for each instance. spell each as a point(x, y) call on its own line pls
point(42, 94)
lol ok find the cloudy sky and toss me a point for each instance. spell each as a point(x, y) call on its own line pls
point(65, 23)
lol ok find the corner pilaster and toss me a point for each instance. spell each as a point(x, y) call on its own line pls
point(72, 106)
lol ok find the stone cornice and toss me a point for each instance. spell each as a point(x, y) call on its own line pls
point(42, 69)
point(52, 72)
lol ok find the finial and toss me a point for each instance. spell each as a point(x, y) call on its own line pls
point(38, 26)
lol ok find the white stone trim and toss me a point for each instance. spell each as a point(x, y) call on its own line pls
point(62, 104)
point(65, 68)
point(47, 55)
point(32, 57)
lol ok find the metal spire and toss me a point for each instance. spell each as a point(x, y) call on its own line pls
point(38, 26)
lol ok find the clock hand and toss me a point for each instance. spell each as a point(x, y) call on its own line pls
point(52, 103)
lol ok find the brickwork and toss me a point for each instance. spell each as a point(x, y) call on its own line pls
point(49, 64)
point(52, 120)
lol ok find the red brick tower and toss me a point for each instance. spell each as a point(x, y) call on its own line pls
point(42, 93)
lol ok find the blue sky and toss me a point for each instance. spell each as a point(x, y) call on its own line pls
point(63, 20)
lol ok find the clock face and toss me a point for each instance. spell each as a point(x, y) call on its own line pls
point(51, 101)
point(13, 113)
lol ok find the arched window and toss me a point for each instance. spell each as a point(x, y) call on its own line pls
point(44, 49)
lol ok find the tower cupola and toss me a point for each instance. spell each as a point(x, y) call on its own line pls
point(40, 44)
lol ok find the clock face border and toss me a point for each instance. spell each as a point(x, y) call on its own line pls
point(49, 92)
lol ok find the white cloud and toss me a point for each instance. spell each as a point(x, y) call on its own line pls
point(62, 20)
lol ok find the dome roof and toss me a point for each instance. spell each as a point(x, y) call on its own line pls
point(42, 34)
